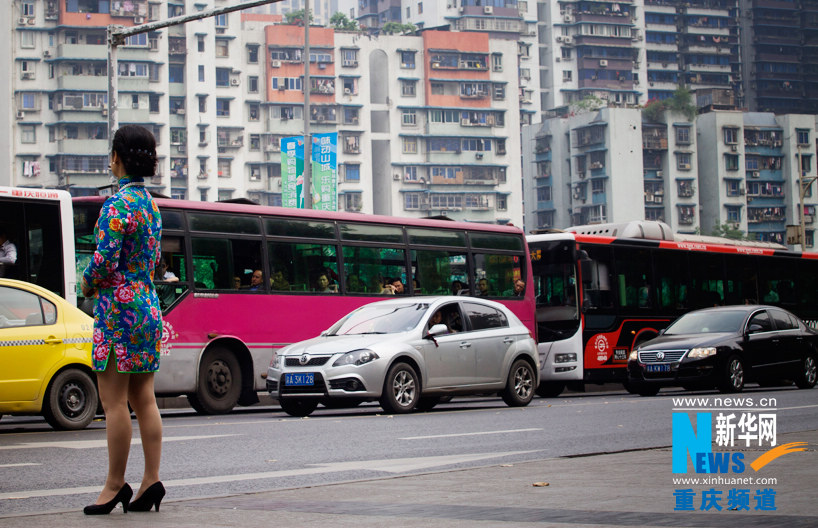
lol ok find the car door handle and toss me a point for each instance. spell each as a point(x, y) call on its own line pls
point(52, 341)
point(508, 340)
point(465, 344)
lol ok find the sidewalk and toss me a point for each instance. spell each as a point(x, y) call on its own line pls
point(610, 490)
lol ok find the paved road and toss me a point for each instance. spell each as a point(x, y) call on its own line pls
point(251, 452)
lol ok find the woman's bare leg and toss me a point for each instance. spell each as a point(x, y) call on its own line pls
point(143, 401)
point(113, 392)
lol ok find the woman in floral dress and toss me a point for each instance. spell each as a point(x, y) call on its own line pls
point(128, 320)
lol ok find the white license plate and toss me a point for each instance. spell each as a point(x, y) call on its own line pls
point(299, 380)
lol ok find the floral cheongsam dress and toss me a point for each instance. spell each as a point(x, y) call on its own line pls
point(127, 317)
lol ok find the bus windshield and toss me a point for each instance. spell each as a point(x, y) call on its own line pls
point(555, 289)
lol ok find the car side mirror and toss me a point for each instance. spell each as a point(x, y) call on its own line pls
point(437, 329)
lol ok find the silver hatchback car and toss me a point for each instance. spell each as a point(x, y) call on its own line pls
point(409, 353)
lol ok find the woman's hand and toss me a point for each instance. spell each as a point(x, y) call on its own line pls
point(87, 291)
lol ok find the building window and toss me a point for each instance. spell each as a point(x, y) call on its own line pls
point(252, 84)
point(731, 162)
point(420, 8)
point(407, 88)
point(730, 136)
point(352, 172)
point(502, 202)
point(410, 174)
point(28, 101)
point(803, 136)
point(352, 201)
point(201, 44)
point(202, 103)
point(733, 187)
point(409, 118)
point(224, 166)
point(437, 88)
point(223, 107)
point(497, 62)
point(255, 173)
point(410, 145)
point(221, 21)
point(28, 134)
point(566, 75)
point(222, 76)
point(255, 142)
point(201, 73)
point(153, 103)
point(683, 135)
point(734, 214)
point(176, 73)
point(407, 59)
point(27, 8)
point(683, 161)
point(177, 105)
point(252, 54)
point(26, 39)
point(222, 48)
point(253, 111)
point(349, 58)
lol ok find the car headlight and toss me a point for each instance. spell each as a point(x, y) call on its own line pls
point(277, 361)
point(701, 352)
point(634, 355)
point(356, 357)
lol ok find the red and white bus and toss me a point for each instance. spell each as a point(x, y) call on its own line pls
point(601, 290)
point(221, 326)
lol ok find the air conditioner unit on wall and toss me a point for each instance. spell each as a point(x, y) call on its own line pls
point(275, 64)
point(20, 114)
point(603, 63)
point(234, 82)
point(734, 148)
point(488, 10)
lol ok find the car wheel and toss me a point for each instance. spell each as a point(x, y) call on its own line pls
point(427, 403)
point(807, 375)
point(520, 385)
point(71, 400)
point(401, 390)
point(550, 389)
point(297, 408)
point(733, 377)
point(219, 386)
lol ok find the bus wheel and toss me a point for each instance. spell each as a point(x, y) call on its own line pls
point(219, 386)
point(550, 389)
point(297, 408)
point(401, 389)
point(71, 400)
point(520, 385)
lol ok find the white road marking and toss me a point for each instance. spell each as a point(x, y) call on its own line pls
point(398, 465)
point(19, 465)
point(102, 443)
point(469, 434)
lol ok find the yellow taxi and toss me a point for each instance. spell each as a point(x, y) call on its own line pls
point(45, 353)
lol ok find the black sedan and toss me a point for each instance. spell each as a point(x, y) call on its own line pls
point(724, 347)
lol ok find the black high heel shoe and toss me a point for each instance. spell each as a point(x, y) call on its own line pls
point(150, 497)
point(123, 495)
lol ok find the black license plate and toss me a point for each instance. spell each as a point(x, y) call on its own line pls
point(299, 380)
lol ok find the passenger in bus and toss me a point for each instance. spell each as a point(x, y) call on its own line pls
point(355, 284)
point(322, 284)
point(256, 281)
point(483, 288)
point(127, 320)
point(279, 282)
point(8, 253)
point(166, 292)
point(236, 282)
point(771, 296)
point(457, 287)
point(519, 288)
point(393, 287)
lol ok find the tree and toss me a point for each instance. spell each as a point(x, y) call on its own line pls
point(391, 28)
point(296, 18)
point(340, 21)
point(727, 231)
point(681, 101)
point(587, 104)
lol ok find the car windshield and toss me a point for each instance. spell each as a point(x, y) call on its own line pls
point(707, 323)
point(380, 319)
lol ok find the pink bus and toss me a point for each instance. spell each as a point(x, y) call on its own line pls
point(243, 280)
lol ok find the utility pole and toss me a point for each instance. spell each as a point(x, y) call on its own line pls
point(306, 189)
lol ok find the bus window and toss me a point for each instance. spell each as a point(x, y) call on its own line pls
point(435, 271)
point(171, 282)
point(221, 223)
point(597, 288)
point(742, 279)
point(671, 279)
point(216, 262)
point(707, 284)
point(634, 279)
point(299, 228)
point(369, 267)
point(494, 275)
point(777, 282)
point(430, 237)
point(372, 233)
point(297, 266)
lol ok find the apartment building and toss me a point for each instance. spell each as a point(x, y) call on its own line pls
point(427, 125)
point(741, 169)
